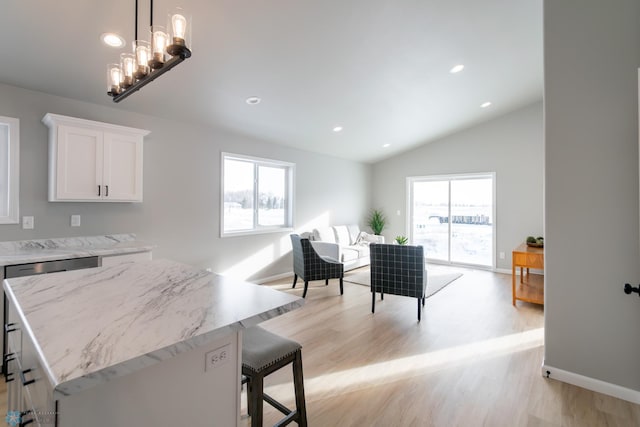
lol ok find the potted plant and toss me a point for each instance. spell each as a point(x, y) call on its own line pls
point(377, 221)
point(402, 240)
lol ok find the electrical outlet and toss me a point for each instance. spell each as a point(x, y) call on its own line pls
point(217, 357)
point(27, 223)
point(75, 220)
point(501, 255)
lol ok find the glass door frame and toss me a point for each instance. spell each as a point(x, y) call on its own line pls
point(451, 177)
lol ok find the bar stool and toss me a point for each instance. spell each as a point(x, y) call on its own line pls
point(262, 354)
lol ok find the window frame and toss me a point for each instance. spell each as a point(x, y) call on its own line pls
point(13, 157)
point(410, 180)
point(289, 194)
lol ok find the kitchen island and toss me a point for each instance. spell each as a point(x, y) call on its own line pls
point(152, 343)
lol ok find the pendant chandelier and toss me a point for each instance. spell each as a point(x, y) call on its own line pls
point(149, 60)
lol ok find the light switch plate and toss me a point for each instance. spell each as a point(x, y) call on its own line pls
point(27, 222)
point(75, 220)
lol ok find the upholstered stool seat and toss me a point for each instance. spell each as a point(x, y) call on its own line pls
point(263, 353)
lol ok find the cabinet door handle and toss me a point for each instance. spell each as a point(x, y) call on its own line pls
point(23, 379)
point(106, 194)
point(98, 190)
point(9, 327)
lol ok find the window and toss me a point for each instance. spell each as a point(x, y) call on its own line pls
point(9, 169)
point(257, 195)
point(453, 217)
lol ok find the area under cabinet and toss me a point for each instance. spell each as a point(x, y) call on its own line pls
point(92, 161)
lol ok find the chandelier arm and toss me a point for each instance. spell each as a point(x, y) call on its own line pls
point(151, 77)
point(136, 27)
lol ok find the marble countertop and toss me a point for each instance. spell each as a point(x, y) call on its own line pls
point(27, 251)
point(95, 324)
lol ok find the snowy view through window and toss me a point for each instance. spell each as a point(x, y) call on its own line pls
point(453, 219)
point(255, 195)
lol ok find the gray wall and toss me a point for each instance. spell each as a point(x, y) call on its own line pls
point(510, 145)
point(592, 55)
point(180, 212)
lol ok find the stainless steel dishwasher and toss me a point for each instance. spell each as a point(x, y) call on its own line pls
point(32, 269)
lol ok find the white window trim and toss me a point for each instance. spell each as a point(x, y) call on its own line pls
point(409, 219)
point(14, 170)
point(291, 167)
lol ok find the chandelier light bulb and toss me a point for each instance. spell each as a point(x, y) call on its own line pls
point(179, 24)
point(127, 64)
point(158, 45)
point(180, 38)
point(142, 51)
point(113, 79)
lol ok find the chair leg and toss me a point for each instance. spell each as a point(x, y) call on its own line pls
point(341, 286)
point(298, 381)
point(326, 282)
point(424, 299)
point(306, 285)
point(295, 279)
point(373, 302)
point(256, 383)
point(381, 295)
point(419, 307)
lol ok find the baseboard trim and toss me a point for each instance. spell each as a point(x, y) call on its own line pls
point(592, 384)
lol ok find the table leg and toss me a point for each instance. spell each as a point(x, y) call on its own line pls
point(513, 284)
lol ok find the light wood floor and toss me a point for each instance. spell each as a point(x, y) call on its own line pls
point(474, 360)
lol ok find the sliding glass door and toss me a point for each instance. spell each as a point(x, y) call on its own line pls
point(452, 216)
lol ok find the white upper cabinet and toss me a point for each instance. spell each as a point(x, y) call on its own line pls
point(93, 161)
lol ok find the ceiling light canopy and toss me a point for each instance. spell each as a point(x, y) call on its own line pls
point(456, 69)
point(485, 104)
point(112, 39)
point(253, 100)
point(150, 59)
point(337, 129)
point(386, 145)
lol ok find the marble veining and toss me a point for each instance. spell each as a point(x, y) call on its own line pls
point(26, 251)
point(96, 324)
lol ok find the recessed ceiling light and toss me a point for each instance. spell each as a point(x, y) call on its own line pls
point(112, 39)
point(253, 100)
point(457, 69)
point(337, 129)
point(485, 105)
point(386, 145)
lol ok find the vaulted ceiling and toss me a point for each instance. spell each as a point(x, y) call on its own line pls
point(377, 68)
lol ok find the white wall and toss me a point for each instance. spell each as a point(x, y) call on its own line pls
point(592, 53)
point(180, 212)
point(510, 145)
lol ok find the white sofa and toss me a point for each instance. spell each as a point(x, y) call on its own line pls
point(345, 243)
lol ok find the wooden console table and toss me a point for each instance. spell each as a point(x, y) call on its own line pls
point(531, 287)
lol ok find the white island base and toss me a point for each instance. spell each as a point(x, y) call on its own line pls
point(175, 392)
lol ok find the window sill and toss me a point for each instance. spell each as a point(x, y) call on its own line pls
point(259, 231)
